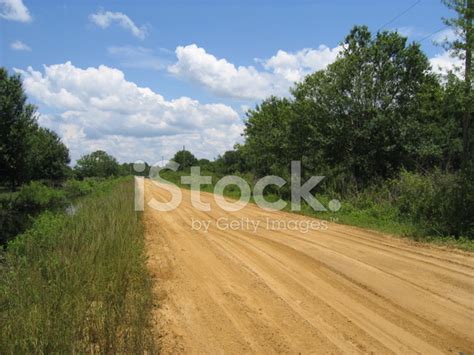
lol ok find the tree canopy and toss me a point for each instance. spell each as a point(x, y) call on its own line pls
point(97, 164)
point(27, 151)
point(375, 110)
point(185, 159)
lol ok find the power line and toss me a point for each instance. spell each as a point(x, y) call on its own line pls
point(433, 33)
point(400, 14)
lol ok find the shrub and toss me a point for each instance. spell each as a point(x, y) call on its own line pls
point(36, 196)
point(17, 212)
point(11, 222)
point(432, 201)
point(39, 236)
point(76, 188)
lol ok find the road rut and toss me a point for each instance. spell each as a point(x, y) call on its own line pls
point(266, 287)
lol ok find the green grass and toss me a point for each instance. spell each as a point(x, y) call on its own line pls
point(370, 210)
point(383, 217)
point(77, 284)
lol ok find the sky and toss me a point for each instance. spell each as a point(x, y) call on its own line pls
point(141, 79)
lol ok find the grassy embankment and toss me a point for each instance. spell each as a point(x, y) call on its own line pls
point(388, 208)
point(78, 283)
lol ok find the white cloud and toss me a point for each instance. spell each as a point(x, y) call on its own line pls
point(20, 46)
point(14, 10)
point(99, 109)
point(445, 62)
point(447, 34)
point(105, 19)
point(220, 76)
point(295, 66)
point(246, 82)
point(137, 57)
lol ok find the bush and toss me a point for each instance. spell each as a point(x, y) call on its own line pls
point(77, 188)
point(17, 211)
point(465, 213)
point(11, 222)
point(36, 196)
point(432, 201)
point(40, 236)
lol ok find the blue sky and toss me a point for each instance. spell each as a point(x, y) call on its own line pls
point(140, 79)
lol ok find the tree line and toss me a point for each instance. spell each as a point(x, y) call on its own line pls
point(29, 152)
point(377, 116)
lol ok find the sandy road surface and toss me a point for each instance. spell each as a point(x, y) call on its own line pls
point(338, 290)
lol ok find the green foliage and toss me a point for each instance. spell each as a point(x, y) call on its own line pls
point(48, 157)
point(231, 162)
point(27, 152)
point(12, 221)
point(431, 201)
point(78, 284)
point(39, 236)
point(18, 209)
point(36, 196)
point(466, 205)
point(375, 113)
point(97, 164)
point(78, 188)
point(429, 205)
point(268, 136)
point(461, 24)
point(16, 121)
point(185, 159)
point(375, 110)
point(205, 165)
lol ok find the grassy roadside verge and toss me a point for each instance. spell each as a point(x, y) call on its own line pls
point(78, 283)
point(382, 217)
point(367, 210)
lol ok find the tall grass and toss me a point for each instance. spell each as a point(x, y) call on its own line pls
point(75, 284)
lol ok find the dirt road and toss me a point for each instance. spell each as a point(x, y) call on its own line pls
point(337, 289)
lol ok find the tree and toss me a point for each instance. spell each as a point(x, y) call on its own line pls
point(449, 131)
point(372, 100)
point(136, 169)
point(185, 159)
point(365, 116)
point(232, 161)
point(48, 157)
point(267, 136)
point(27, 151)
point(463, 47)
point(205, 165)
point(97, 164)
point(16, 121)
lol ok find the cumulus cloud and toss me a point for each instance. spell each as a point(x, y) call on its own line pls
point(220, 76)
point(20, 46)
point(445, 62)
point(247, 82)
point(97, 108)
point(104, 19)
point(295, 66)
point(14, 10)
